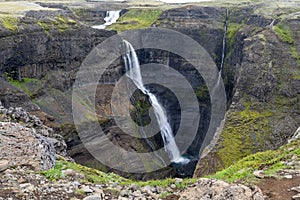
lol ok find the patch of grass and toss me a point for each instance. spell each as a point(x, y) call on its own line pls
point(55, 173)
point(136, 18)
point(80, 191)
point(232, 31)
point(295, 53)
point(164, 195)
point(202, 92)
point(45, 27)
point(245, 132)
point(26, 84)
point(9, 22)
point(95, 176)
point(270, 161)
point(167, 182)
point(296, 76)
point(284, 34)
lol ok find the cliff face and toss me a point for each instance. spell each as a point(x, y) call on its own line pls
point(42, 55)
point(264, 109)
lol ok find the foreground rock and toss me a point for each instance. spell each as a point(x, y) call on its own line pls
point(220, 190)
point(23, 119)
point(23, 146)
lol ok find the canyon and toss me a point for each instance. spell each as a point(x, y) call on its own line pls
point(255, 47)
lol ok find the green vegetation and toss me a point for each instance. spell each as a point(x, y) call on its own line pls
point(28, 85)
point(284, 34)
point(55, 173)
point(164, 195)
point(245, 132)
point(45, 26)
point(202, 92)
point(96, 176)
point(61, 23)
point(270, 161)
point(232, 31)
point(296, 76)
point(295, 54)
point(136, 18)
point(9, 22)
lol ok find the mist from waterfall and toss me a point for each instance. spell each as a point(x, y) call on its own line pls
point(110, 18)
point(133, 70)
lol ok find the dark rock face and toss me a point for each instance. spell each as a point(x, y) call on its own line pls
point(47, 49)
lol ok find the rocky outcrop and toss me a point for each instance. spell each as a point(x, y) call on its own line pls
point(220, 190)
point(27, 123)
point(263, 113)
point(23, 146)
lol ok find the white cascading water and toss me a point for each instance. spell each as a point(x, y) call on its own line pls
point(110, 18)
point(223, 51)
point(132, 67)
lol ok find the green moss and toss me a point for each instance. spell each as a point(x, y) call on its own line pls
point(61, 23)
point(9, 22)
point(284, 34)
point(296, 76)
point(245, 132)
point(45, 27)
point(295, 54)
point(27, 85)
point(270, 161)
point(202, 92)
point(232, 31)
point(136, 18)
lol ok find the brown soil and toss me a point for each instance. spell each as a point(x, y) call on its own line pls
point(278, 189)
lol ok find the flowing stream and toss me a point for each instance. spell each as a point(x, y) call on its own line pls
point(133, 70)
point(111, 17)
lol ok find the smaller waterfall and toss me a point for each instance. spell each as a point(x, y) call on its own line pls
point(224, 41)
point(110, 18)
point(223, 49)
point(133, 70)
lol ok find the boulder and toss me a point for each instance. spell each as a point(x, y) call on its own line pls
point(22, 146)
point(206, 189)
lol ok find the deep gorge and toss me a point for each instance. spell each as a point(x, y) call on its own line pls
point(41, 59)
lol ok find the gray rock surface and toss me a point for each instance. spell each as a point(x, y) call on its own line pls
point(23, 146)
point(206, 189)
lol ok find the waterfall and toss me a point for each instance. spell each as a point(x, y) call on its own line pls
point(110, 18)
point(223, 51)
point(132, 67)
point(224, 41)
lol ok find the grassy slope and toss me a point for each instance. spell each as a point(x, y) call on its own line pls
point(136, 18)
point(271, 161)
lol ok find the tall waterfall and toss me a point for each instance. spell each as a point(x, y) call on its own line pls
point(224, 41)
point(132, 67)
point(110, 18)
point(223, 51)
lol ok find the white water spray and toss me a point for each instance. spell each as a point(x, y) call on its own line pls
point(132, 67)
point(110, 18)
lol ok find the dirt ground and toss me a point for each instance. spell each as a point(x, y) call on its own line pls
point(279, 189)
